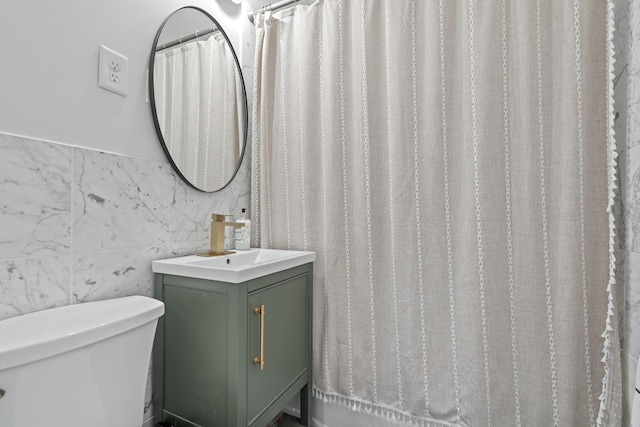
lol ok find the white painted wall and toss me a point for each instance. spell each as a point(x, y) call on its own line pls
point(49, 69)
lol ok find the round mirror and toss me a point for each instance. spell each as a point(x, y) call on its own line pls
point(198, 99)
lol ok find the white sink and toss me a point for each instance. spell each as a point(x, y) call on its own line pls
point(234, 268)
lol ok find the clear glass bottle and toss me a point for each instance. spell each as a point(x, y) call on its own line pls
point(243, 234)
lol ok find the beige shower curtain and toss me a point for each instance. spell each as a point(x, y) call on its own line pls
point(451, 164)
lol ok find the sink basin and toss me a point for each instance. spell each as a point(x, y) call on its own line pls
point(234, 268)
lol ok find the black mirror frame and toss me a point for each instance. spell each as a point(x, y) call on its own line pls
point(154, 112)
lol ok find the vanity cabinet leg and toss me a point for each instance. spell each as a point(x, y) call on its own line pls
point(305, 405)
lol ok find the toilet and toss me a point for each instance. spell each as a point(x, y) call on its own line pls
point(81, 365)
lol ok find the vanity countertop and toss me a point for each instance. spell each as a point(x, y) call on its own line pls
point(236, 267)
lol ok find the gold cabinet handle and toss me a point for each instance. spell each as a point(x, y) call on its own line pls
point(260, 360)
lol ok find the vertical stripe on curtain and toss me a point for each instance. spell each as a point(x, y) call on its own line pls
point(451, 165)
point(198, 97)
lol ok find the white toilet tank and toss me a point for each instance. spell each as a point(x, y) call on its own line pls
point(82, 365)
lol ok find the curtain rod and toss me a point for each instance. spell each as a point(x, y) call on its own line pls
point(185, 39)
point(270, 7)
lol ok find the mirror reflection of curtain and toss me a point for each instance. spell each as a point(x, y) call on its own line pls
point(447, 161)
point(198, 96)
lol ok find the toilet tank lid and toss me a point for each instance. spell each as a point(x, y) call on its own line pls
point(46, 333)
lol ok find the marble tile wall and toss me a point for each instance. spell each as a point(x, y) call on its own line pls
point(79, 225)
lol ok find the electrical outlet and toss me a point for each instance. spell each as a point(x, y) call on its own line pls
point(112, 71)
point(114, 77)
point(115, 66)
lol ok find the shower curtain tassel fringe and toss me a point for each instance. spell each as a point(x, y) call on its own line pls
point(390, 413)
point(608, 359)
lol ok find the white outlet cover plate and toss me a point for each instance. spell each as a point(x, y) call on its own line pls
point(113, 71)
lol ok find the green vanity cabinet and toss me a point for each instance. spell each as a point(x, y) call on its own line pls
point(232, 354)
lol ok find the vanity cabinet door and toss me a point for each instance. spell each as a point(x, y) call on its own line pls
point(280, 312)
point(195, 356)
